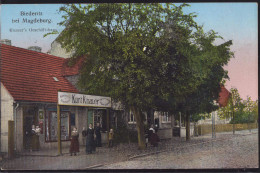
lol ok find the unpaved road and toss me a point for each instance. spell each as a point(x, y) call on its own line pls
point(239, 151)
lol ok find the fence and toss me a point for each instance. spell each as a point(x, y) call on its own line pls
point(207, 128)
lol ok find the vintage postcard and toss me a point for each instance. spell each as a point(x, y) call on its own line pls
point(129, 86)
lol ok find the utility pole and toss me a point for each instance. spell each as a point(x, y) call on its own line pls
point(59, 130)
point(213, 125)
point(180, 123)
point(107, 111)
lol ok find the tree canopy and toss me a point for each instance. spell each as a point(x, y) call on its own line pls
point(141, 53)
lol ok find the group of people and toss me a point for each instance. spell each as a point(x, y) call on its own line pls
point(93, 139)
point(152, 137)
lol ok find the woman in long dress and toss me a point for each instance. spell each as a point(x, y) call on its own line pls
point(74, 145)
point(98, 135)
point(90, 140)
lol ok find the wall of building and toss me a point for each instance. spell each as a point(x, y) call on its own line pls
point(6, 115)
point(19, 129)
point(217, 119)
point(165, 133)
point(57, 50)
point(81, 121)
point(73, 80)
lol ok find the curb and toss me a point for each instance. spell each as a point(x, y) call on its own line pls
point(41, 155)
point(95, 166)
point(37, 155)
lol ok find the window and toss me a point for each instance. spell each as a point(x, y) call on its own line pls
point(51, 126)
point(165, 117)
point(72, 120)
point(98, 117)
point(55, 79)
point(131, 118)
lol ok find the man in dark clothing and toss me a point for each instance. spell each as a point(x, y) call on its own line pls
point(90, 145)
point(98, 135)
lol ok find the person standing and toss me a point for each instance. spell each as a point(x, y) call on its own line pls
point(150, 132)
point(154, 139)
point(74, 144)
point(90, 139)
point(98, 135)
point(110, 138)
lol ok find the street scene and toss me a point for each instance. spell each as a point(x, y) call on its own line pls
point(226, 151)
point(111, 86)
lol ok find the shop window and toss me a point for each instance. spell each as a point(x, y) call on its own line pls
point(51, 126)
point(98, 116)
point(72, 120)
point(104, 122)
point(165, 117)
point(131, 118)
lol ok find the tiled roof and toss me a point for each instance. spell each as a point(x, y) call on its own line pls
point(223, 97)
point(72, 70)
point(28, 75)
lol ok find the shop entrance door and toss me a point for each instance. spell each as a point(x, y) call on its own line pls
point(90, 117)
point(27, 130)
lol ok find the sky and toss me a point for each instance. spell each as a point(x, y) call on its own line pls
point(232, 21)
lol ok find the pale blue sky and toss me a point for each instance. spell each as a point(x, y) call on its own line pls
point(233, 21)
point(236, 21)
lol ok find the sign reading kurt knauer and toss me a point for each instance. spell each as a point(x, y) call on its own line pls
point(73, 99)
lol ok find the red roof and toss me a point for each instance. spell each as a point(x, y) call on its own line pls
point(28, 75)
point(72, 70)
point(223, 97)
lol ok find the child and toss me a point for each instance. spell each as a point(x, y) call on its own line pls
point(74, 145)
point(110, 138)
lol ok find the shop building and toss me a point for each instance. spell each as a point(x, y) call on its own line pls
point(30, 81)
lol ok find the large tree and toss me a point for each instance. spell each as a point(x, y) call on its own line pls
point(208, 60)
point(139, 53)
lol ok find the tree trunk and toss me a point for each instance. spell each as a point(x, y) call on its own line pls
point(187, 126)
point(139, 126)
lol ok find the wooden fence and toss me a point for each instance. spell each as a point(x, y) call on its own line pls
point(207, 128)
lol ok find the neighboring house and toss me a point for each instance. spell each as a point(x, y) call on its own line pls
point(57, 50)
point(222, 102)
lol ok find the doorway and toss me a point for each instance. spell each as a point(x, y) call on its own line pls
point(29, 119)
point(27, 126)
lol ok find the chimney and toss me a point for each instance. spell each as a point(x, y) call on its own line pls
point(35, 48)
point(6, 41)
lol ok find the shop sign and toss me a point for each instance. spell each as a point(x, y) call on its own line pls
point(73, 99)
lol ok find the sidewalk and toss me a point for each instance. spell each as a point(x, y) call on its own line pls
point(49, 160)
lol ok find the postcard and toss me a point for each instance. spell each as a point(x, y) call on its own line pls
point(129, 86)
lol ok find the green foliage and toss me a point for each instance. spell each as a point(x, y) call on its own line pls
point(145, 55)
point(244, 111)
point(121, 133)
point(251, 109)
point(143, 51)
point(133, 136)
point(197, 117)
point(243, 117)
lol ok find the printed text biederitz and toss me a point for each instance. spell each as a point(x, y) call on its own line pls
point(24, 13)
